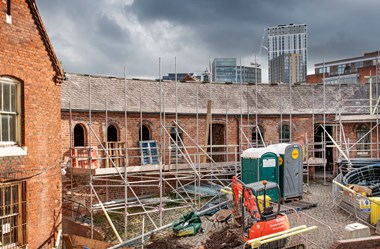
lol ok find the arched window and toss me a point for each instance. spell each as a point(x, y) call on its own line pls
point(176, 135)
point(10, 111)
point(284, 133)
point(176, 142)
point(79, 135)
point(363, 141)
point(144, 133)
point(112, 134)
point(258, 136)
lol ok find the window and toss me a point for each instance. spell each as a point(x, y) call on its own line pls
point(284, 134)
point(112, 135)
point(363, 141)
point(13, 214)
point(148, 150)
point(10, 104)
point(176, 135)
point(144, 133)
point(258, 136)
point(176, 140)
point(79, 135)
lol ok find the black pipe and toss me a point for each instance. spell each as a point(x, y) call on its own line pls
point(8, 7)
point(365, 176)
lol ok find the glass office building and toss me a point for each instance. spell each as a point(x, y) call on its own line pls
point(180, 76)
point(228, 70)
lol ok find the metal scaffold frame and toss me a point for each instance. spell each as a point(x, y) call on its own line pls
point(193, 166)
point(197, 174)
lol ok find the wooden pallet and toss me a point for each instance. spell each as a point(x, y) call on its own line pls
point(116, 152)
point(291, 199)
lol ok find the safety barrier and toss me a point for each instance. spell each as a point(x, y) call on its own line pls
point(365, 209)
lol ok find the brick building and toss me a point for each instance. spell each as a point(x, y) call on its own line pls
point(30, 146)
point(284, 113)
point(346, 71)
point(140, 124)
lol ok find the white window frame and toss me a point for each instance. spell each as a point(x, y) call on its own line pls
point(11, 148)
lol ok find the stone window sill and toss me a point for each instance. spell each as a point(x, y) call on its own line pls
point(13, 151)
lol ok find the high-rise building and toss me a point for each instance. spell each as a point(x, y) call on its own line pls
point(287, 68)
point(228, 70)
point(287, 39)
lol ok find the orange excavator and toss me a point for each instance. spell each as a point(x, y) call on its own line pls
point(256, 214)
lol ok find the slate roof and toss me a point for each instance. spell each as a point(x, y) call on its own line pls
point(230, 98)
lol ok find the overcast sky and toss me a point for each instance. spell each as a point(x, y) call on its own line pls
point(101, 37)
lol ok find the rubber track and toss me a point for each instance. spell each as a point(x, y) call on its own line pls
point(299, 246)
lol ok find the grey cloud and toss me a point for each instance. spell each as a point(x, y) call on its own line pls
point(86, 35)
point(109, 29)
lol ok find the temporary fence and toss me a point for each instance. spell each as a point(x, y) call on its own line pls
point(305, 232)
point(363, 208)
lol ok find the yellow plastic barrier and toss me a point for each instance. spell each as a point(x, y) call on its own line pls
point(375, 209)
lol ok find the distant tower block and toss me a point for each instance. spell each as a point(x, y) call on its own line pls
point(285, 40)
point(206, 76)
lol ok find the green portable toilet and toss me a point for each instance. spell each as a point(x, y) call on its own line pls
point(259, 164)
point(290, 168)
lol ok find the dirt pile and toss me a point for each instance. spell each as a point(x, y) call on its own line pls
point(225, 239)
point(169, 242)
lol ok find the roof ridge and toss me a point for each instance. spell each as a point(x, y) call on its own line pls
point(59, 74)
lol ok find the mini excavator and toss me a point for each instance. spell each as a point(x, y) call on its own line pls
point(253, 211)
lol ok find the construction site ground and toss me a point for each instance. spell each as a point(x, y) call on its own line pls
point(229, 236)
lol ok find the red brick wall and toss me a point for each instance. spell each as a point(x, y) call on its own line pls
point(366, 71)
point(301, 128)
point(302, 131)
point(152, 121)
point(315, 78)
point(363, 72)
point(23, 55)
point(370, 243)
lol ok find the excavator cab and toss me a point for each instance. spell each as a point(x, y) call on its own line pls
point(265, 207)
point(254, 211)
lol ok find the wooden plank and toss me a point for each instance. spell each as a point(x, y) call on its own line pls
point(68, 242)
point(207, 131)
point(116, 151)
point(90, 243)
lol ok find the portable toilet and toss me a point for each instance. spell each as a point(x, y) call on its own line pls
point(259, 164)
point(290, 168)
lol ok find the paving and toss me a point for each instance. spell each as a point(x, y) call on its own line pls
point(329, 219)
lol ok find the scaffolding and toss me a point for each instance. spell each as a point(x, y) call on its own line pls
point(182, 169)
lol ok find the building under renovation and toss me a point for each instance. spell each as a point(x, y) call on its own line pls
point(88, 155)
point(127, 139)
point(30, 146)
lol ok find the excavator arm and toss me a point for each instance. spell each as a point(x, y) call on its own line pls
point(249, 199)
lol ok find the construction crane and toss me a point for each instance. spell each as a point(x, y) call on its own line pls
point(260, 49)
